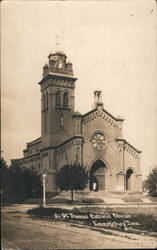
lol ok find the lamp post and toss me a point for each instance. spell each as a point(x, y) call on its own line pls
point(44, 196)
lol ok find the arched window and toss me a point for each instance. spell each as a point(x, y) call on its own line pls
point(66, 100)
point(58, 99)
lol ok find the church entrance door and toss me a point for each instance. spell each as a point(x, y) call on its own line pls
point(97, 175)
point(129, 175)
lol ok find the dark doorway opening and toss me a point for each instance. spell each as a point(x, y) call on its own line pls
point(129, 175)
point(97, 176)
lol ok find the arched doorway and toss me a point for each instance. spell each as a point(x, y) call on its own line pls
point(129, 176)
point(97, 175)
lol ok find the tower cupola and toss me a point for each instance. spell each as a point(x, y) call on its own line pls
point(57, 60)
point(57, 64)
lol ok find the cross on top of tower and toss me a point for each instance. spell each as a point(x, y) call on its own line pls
point(57, 40)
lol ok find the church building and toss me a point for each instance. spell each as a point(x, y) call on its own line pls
point(94, 139)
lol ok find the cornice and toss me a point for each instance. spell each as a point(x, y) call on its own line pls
point(57, 76)
point(56, 147)
point(27, 157)
point(34, 141)
point(103, 110)
point(126, 142)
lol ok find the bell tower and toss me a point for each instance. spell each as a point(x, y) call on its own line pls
point(57, 100)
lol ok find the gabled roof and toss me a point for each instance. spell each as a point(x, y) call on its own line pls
point(34, 141)
point(93, 110)
point(126, 142)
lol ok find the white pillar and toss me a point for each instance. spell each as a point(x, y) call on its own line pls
point(44, 191)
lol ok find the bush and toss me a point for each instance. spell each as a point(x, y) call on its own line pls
point(150, 183)
point(19, 183)
point(42, 211)
point(148, 221)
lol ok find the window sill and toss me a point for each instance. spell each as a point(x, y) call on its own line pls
point(66, 108)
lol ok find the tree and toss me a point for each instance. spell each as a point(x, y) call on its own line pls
point(6, 181)
point(72, 177)
point(19, 183)
point(151, 183)
point(27, 183)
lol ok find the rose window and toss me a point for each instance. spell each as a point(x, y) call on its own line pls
point(99, 141)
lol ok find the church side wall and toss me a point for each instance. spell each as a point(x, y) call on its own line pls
point(70, 155)
point(32, 148)
point(49, 168)
point(33, 162)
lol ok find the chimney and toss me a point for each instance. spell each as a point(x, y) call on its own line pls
point(98, 99)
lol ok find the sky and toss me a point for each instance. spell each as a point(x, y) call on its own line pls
point(112, 45)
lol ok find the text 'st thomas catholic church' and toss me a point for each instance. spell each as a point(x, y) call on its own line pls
point(94, 139)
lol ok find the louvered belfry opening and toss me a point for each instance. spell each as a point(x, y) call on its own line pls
point(65, 100)
point(58, 99)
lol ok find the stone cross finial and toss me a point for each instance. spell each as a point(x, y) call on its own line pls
point(57, 40)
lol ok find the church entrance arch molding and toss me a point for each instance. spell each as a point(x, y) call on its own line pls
point(99, 174)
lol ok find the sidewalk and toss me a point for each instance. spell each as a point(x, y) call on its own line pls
point(106, 198)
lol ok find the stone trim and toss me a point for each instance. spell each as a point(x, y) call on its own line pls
point(56, 76)
point(75, 141)
point(103, 110)
point(69, 85)
point(65, 142)
point(34, 141)
point(27, 158)
point(100, 113)
point(128, 147)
